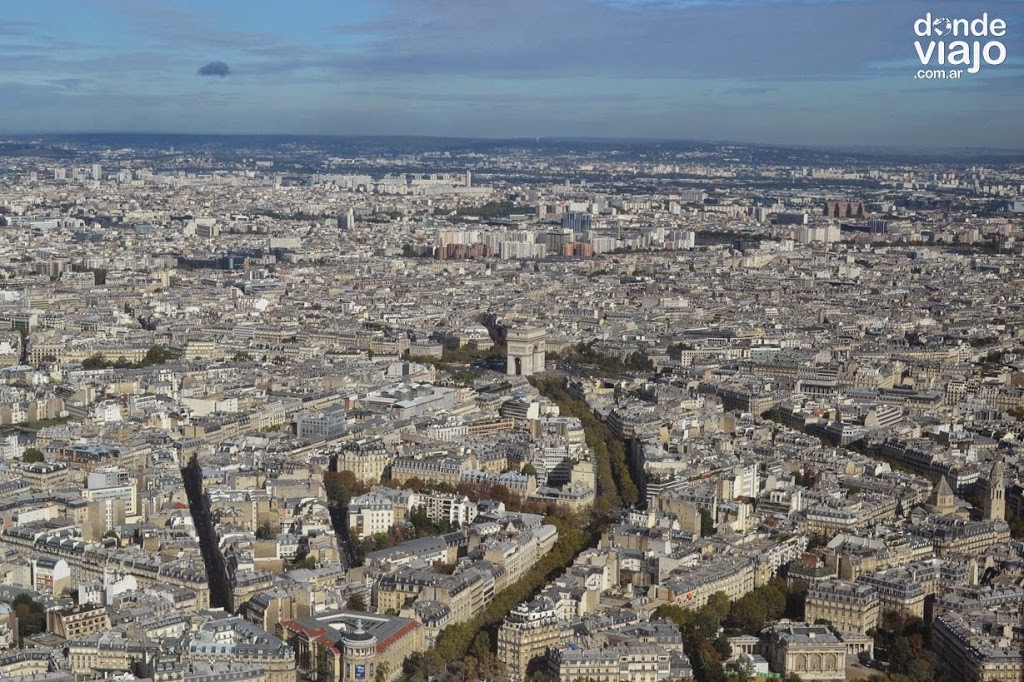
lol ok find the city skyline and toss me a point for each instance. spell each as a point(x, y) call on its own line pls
point(340, 409)
point(813, 73)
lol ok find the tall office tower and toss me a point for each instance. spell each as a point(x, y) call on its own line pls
point(578, 222)
point(836, 208)
point(97, 172)
point(347, 220)
point(469, 178)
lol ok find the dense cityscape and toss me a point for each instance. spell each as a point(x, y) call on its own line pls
point(341, 409)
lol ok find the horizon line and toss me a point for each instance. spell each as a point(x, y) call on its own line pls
point(861, 149)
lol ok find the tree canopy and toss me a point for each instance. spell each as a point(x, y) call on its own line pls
point(33, 455)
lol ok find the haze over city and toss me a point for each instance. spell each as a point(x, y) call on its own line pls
point(808, 72)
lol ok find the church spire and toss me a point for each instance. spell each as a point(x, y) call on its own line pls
point(995, 498)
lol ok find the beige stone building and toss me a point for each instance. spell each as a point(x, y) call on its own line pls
point(626, 662)
point(813, 652)
point(367, 461)
point(342, 645)
point(979, 646)
point(850, 607)
point(528, 631)
point(691, 590)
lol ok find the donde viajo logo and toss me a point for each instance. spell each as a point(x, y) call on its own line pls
point(955, 47)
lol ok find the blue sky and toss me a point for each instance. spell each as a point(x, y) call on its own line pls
point(779, 71)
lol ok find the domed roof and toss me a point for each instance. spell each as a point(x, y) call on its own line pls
point(358, 636)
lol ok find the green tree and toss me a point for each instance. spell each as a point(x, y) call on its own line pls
point(627, 488)
point(356, 602)
point(718, 603)
point(680, 617)
point(614, 480)
point(31, 616)
point(903, 641)
point(1016, 523)
point(745, 671)
point(707, 524)
point(707, 665)
point(323, 665)
point(900, 655)
point(156, 355)
point(341, 486)
point(33, 455)
point(422, 666)
point(723, 647)
point(768, 602)
point(796, 596)
point(481, 644)
point(749, 614)
point(454, 642)
point(702, 642)
point(95, 361)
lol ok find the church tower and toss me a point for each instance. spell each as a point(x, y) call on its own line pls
point(942, 501)
point(995, 499)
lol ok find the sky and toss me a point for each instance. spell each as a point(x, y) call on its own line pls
point(805, 72)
